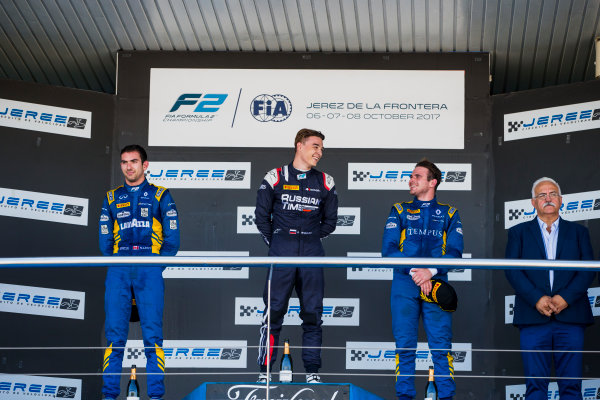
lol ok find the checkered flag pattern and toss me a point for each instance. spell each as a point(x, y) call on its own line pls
point(357, 355)
point(514, 126)
point(359, 175)
point(515, 214)
point(246, 311)
point(516, 396)
point(247, 219)
point(134, 354)
point(511, 309)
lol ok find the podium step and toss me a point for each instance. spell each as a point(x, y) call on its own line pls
point(277, 391)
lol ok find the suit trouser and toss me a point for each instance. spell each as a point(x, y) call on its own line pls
point(148, 286)
point(553, 335)
point(407, 307)
point(309, 285)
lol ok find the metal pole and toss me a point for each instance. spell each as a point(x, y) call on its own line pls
point(269, 330)
point(597, 57)
point(307, 262)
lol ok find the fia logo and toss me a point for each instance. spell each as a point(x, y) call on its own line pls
point(270, 108)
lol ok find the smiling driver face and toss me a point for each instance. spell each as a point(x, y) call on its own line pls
point(308, 153)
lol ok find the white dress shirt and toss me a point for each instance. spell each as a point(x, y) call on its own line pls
point(550, 241)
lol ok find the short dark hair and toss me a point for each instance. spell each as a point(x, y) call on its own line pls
point(304, 134)
point(434, 171)
point(135, 147)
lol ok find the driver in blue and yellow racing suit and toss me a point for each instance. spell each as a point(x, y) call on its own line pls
point(137, 219)
point(422, 227)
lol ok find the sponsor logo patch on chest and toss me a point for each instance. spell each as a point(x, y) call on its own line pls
point(291, 187)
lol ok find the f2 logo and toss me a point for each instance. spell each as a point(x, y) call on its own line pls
point(209, 99)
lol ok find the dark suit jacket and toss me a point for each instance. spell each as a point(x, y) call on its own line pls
point(525, 241)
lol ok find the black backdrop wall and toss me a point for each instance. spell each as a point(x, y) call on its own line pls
point(57, 164)
point(209, 216)
point(571, 159)
point(205, 309)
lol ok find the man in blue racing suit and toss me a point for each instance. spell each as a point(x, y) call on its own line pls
point(296, 207)
point(137, 219)
point(421, 228)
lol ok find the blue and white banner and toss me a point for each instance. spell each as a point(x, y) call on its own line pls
point(42, 301)
point(552, 121)
point(575, 207)
point(16, 387)
point(378, 273)
point(212, 272)
point(348, 221)
point(395, 176)
point(382, 356)
point(590, 390)
point(43, 206)
point(44, 118)
point(336, 312)
point(191, 354)
point(199, 175)
point(353, 108)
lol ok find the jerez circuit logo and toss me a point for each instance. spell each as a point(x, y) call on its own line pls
point(69, 304)
point(345, 220)
point(235, 175)
point(77, 123)
point(66, 392)
point(343, 312)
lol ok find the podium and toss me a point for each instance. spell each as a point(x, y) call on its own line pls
point(244, 390)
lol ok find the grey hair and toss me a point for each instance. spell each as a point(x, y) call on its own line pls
point(544, 179)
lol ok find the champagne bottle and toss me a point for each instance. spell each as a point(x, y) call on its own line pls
point(133, 389)
point(286, 366)
point(431, 392)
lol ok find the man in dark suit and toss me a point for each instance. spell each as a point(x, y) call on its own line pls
point(551, 307)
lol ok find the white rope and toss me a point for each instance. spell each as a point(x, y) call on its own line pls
point(359, 374)
point(49, 348)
